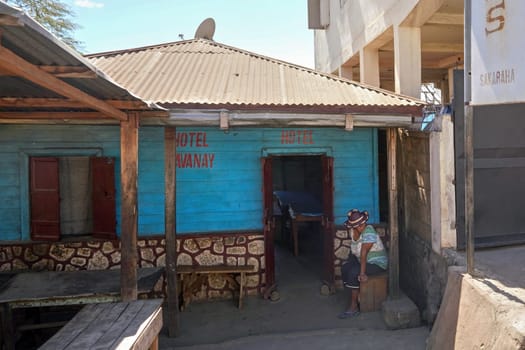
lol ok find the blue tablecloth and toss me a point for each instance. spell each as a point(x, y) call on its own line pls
point(299, 203)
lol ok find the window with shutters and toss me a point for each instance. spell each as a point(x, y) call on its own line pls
point(71, 197)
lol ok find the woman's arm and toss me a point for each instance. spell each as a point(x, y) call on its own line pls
point(365, 248)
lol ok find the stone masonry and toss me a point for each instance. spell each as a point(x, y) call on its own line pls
point(228, 249)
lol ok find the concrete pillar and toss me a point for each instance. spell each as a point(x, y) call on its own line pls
point(442, 189)
point(369, 66)
point(407, 60)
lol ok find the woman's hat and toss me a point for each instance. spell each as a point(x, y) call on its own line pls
point(356, 218)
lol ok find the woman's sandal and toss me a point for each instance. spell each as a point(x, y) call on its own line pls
point(347, 314)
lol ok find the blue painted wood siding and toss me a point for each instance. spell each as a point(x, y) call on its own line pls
point(228, 194)
point(221, 191)
point(19, 142)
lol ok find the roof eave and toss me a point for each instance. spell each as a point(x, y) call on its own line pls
point(412, 110)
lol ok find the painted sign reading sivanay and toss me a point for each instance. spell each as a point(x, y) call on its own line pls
point(497, 51)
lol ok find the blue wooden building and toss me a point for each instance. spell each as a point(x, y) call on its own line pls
point(222, 134)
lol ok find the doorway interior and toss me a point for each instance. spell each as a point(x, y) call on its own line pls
point(298, 180)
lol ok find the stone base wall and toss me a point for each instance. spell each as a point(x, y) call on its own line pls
point(229, 249)
point(422, 274)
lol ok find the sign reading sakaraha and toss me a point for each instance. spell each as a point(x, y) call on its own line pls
point(498, 55)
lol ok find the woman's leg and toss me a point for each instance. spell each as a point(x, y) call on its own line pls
point(350, 271)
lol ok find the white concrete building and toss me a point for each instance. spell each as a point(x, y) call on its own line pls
point(398, 46)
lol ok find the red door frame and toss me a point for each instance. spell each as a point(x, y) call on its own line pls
point(328, 276)
point(268, 227)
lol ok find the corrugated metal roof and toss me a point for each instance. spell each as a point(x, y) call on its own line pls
point(28, 40)
point(201, 73)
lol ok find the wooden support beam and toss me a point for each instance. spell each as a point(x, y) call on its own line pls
point(13, 63)
point(69, 71)
point(129, 131)
point(17, 102)
point(393, 268)
point(63, 72)
point(223, 120)
point(53, 115)
point(7, 20)
point(76, 116)
point(170, 175)
point(349, 122)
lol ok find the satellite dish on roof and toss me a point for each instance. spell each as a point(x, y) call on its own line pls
point(206, 29)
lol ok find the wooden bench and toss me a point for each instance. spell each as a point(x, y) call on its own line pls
point(193, 277)
point(124, 325)
point(373, 292)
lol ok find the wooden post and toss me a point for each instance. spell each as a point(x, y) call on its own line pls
point(393, 268)
point(128, 174)
point(469, 142)
point(469, 187)
point(170, 204)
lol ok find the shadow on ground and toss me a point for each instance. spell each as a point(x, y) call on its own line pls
point(302, 315)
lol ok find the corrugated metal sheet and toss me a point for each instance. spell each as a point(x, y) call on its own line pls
point(29, 40)
point(205, 73)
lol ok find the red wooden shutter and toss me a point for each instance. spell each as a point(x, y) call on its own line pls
point(328, 211)
point(45, 198)
point(103, 197)
point(269, 253)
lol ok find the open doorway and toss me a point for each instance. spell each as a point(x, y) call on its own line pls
point(299, 194)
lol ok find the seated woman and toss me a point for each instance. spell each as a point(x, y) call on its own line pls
point(367, 257)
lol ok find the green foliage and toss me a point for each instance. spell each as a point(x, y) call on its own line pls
point(54, 15)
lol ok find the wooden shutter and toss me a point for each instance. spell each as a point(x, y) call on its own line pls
point(328, 212)
point(269, 252)
point(45, 198)
point(103, 197)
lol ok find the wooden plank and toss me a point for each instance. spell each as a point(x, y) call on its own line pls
point(15, 64)
point(73, 328)
point(170, 151)
point(129, 209)
point(127, 325)
point(96, 327)
point(31, 289)
point(119, 328)
point(185, 269)
point(373, 292)
point(143, 327)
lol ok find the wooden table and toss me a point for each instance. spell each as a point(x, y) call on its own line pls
point(125, 325)
point(300, 207)
point(55, 288)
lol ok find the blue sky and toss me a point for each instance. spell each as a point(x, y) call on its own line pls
point(275, 28)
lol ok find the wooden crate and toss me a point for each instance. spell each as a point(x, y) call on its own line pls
point(373, 292)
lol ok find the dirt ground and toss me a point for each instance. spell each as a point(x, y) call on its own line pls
point(302, 318)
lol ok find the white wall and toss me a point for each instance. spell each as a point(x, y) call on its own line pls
point(353, 24)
